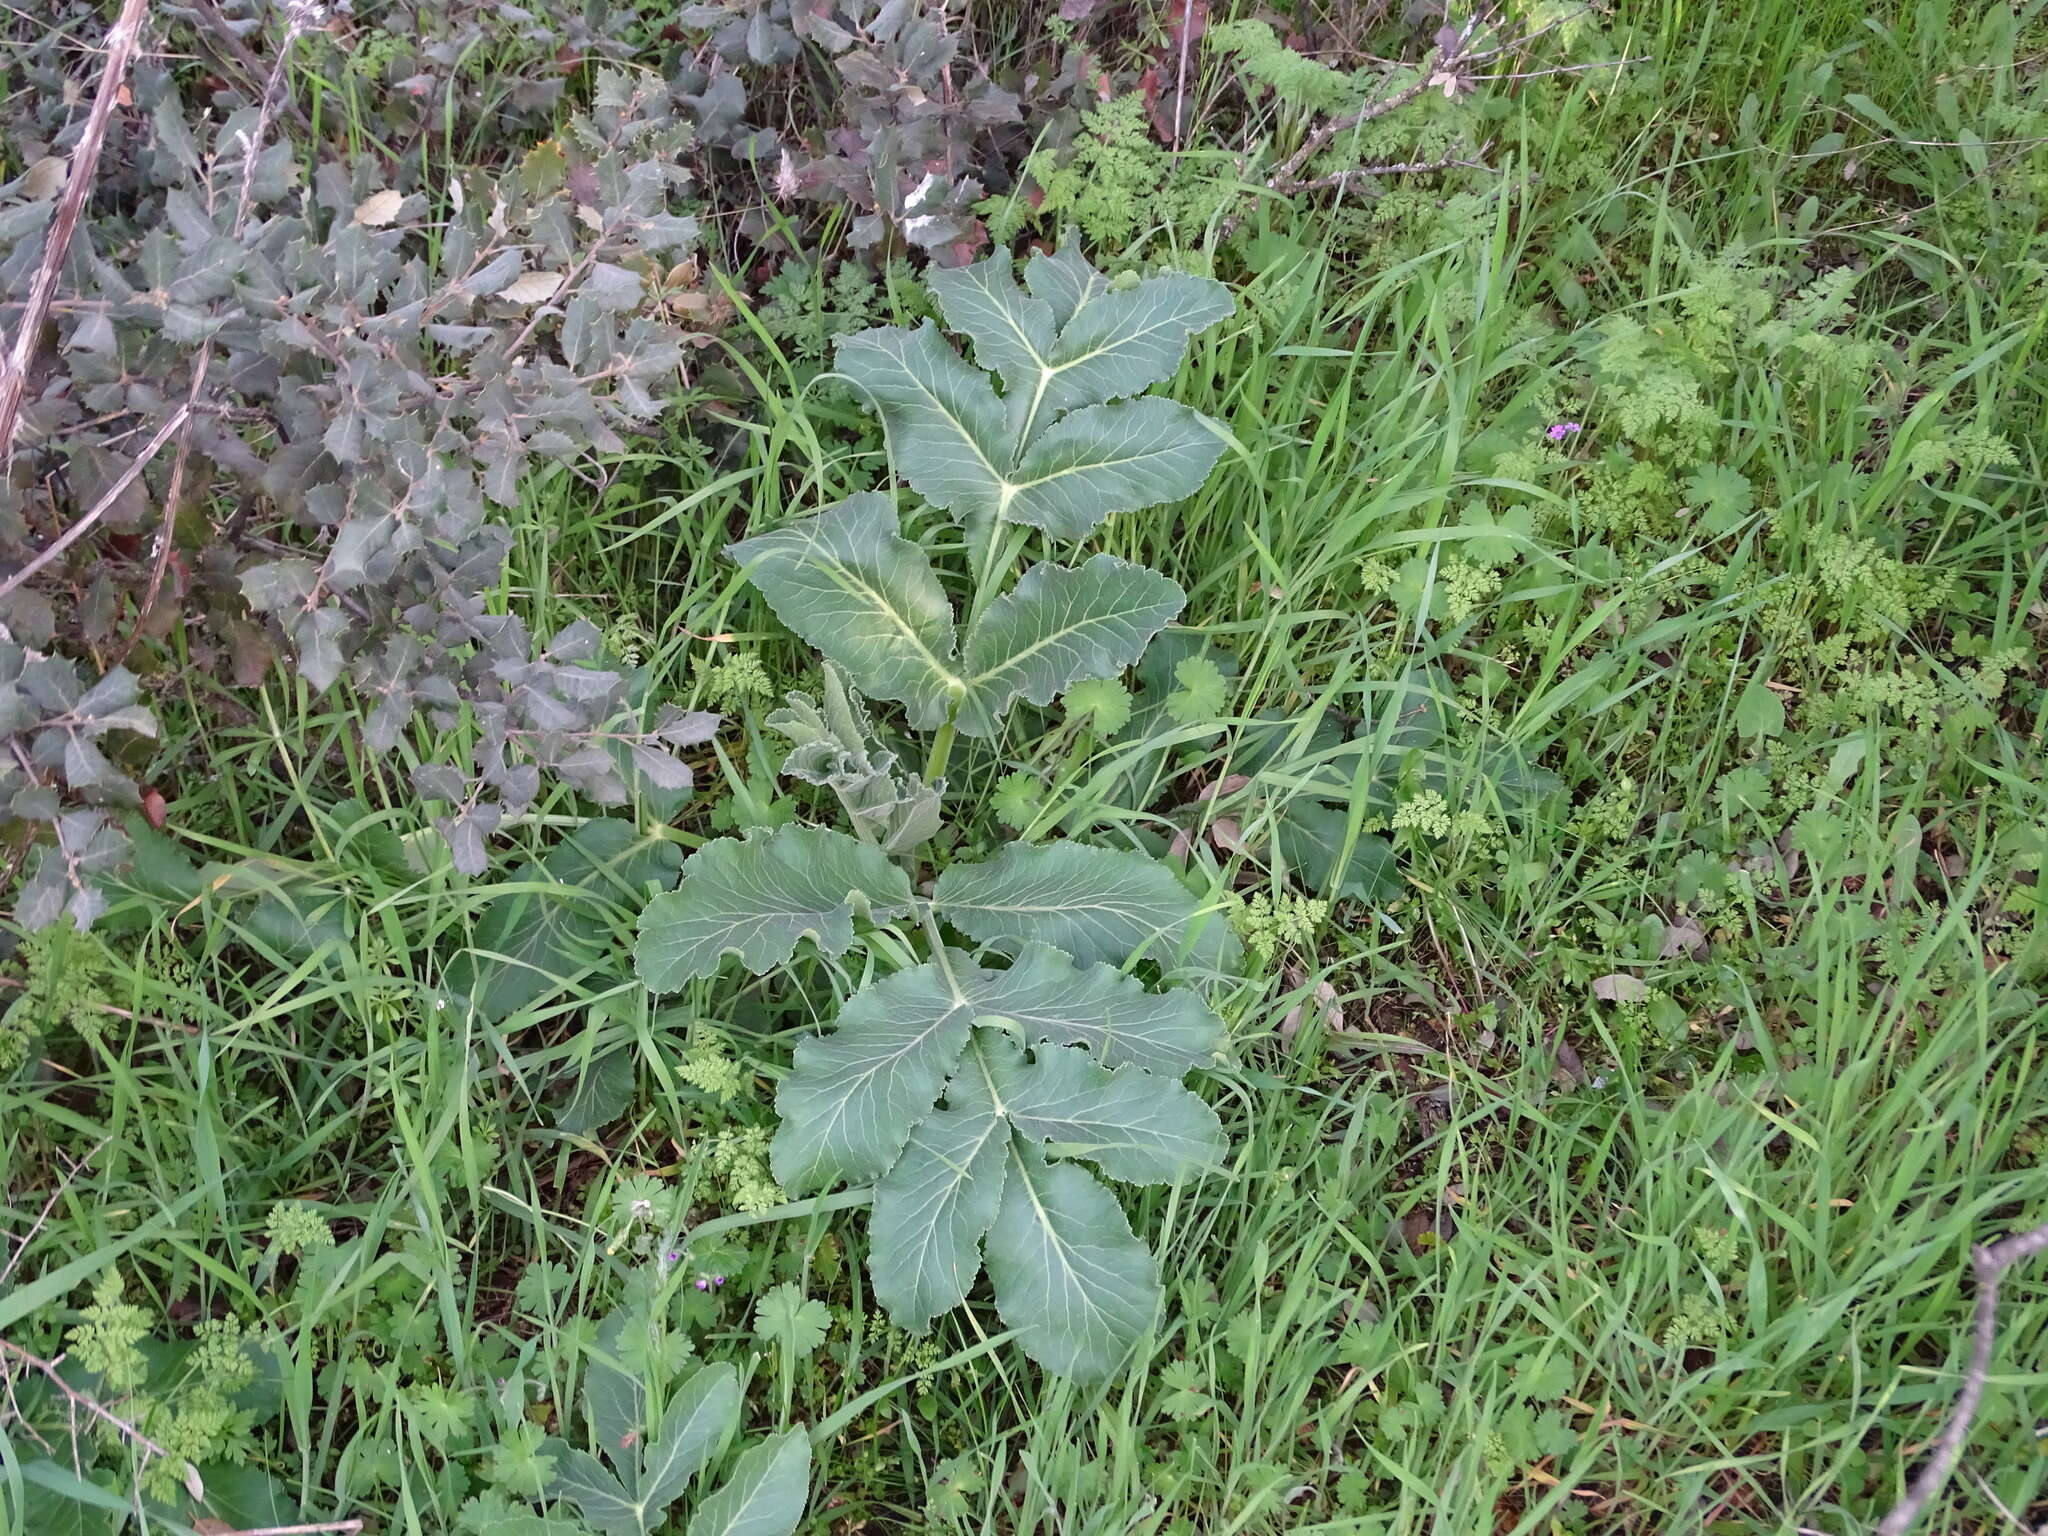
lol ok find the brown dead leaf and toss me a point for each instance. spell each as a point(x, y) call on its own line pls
point(1618, 988)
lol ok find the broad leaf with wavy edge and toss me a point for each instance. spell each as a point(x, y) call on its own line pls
point(1111, 458)
point(702, 1413)
point(1048, 997)
point(757, 896)
point(1013, 332)
point(945, 423)
point(1065, 279)
point(1098, 904)
point(1095, 344)
point(852, 1096)
point(937, 1203)
point(1135, 1127)
point(766, 1493)
point(1126, 340)
point(1069, 1275)
point(1057, 627)
point(851, 585)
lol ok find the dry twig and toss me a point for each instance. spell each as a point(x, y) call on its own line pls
point(1990, 1263)
point(78, 1399)
point(85, 160)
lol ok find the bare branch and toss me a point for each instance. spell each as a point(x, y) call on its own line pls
point(1990, 1263)
point(85, 161)
point(78, 1399)
point(100, 508)
point(1407, 168)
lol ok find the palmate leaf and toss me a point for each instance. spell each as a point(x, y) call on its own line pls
point(756, 896)
point(1098, 344)
point(848, 583)
point(851, 585)
point(1058, 626)
point(852, 1097)
point(982, 1042)
point(1052, 452)
point(1096, 904)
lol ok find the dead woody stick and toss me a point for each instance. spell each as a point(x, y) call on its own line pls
point(85, 160)
point(1991, 1263)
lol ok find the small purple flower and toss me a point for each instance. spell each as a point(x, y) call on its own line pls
point(1562, 430)
point(718, 1279)
point(703, 1284)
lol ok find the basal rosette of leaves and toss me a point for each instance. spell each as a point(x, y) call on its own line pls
point(643, 1467)
point(1005, 1046)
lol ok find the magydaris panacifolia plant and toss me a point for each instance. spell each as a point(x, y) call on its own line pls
point(966, 1082)
point(763, 1495)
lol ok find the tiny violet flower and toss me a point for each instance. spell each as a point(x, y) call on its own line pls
point(718, 1279)
point(703, 1284)
point(1559, 431)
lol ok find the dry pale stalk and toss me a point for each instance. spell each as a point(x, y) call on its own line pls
point(85, 160)
point(1991, 1262)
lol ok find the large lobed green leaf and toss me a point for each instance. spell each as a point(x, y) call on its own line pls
point(757, 896)
point(1069, 1275)
point(1094, 903)
point(1052, 451)
point(1058, 626)
point(949, 1084)
point(850, 584)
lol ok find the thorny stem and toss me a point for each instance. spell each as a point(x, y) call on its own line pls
point(85, 159)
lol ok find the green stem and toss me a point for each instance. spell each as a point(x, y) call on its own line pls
point(831, 1428)
point(942, 748)
point(816, 1205)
